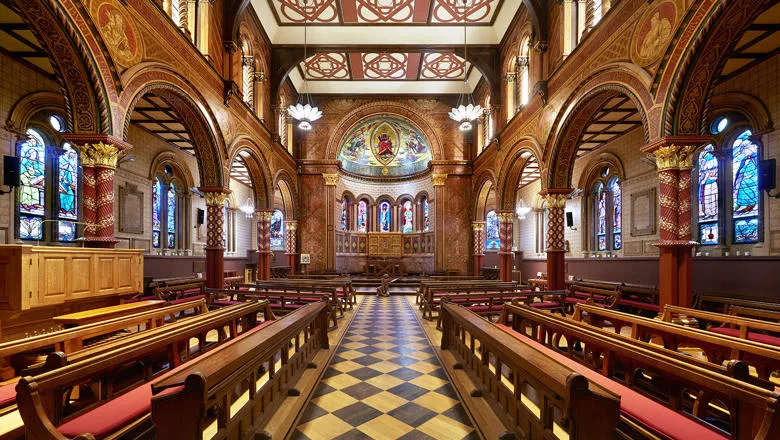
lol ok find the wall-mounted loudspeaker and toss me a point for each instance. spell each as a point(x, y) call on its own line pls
point(569, 220)
point(766, 174)
point(11, 171)
point(201, 216)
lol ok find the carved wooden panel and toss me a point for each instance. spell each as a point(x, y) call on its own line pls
point(385, 244)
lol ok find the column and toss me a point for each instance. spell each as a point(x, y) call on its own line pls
point(264, 243)
point(505, 234)
point(479, 245)
point(439, 206)
point(290, 242)
point(556, 242)
point(330, 221)
point(685, 246)
point(99, 155)
point(215, 223)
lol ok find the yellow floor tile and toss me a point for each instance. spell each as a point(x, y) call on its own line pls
point(444, 427)
point(385, 366)
point(346, 366)
point(428, 382)
point(384, 345)
point(354, 345)
point(351, 354)
point(334, 401)
point(385, 427)
point(384, 338)
point(420, 355)
point(385, 381)
point(384, 355)
point(423, 367)
point(384, 401)
point(435, 402)
point(325, 427)
point(341, 381)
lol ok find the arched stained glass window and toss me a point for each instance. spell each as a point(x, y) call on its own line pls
point(407, 217)
point(425, 215)
point(68, 172)
point(156, 212)
point(344, 214)
point(32, 189)
point(707, 196)
point(492, 237)
point(601, 217)
point(277, 229)
point(171, 218)
point(362, 216)
point(617, 214)
point(385, 217)
point(745, 192)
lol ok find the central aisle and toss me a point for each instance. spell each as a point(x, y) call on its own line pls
point(384, 382)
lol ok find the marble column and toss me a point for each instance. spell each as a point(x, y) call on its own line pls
point(264, 243)
point(479, 245)
point(290, 243)
point(99, 155)
point(505, 234)
point(556, 241)
point(215, 222)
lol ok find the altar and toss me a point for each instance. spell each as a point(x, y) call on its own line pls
point(385, 250)
point(379, 253)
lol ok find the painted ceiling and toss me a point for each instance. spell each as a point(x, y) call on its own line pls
point(400, 66)
point(385, 147)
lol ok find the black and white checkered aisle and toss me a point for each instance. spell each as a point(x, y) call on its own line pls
point(385, 382)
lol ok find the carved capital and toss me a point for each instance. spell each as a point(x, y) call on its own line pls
point(330, 179)
point(505, 217)
point(666, 157)
point(478, 226)
point(685, 157)
point(541, 46)
point(214, 196)
point(265, 215)
point(555, 200)
point(291, 225)
point(231, 46)
point(100, 154)
point(438, 179)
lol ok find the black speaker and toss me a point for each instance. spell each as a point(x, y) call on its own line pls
point(11, 171)
point(569, 220)
point(201, 216)
point(766, 174)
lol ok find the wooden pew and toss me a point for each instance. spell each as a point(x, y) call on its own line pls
point(732, 325)
point(234, 391)
point(92, 316)
point(434, 292)
point(181, 290)
point(232, 278)
point(280, 272)
point(282, 301)
point(602, 294)
point(119, 403)
point(761, 314)
point(717, 347)
point(720, 303)
point(663, 395)
point(345, 298)
point(535, 396)
point(638, 298)
point(422, 289)
point(491, 304)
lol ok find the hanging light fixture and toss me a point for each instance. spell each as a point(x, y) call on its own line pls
point(522, 209)
point(466, 111)
point(248, 208)
point(302, 111)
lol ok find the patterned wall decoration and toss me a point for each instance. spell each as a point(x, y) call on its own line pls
point(385, 146)
point(654, 32)
point(291, 12)
point(385, 66)
point(119, 34)
point(443, 65)
point(329, 65)
point(357, 244)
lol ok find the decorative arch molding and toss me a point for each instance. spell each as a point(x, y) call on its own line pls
point(85, 94)
point(385, 198)
point(367, 198)
point(750, 107)
point(30, 105)
point(512, 169)
point(348, 196)
point(169, 158)
point(687, 106)
point(404, 197)
point(422, 195)
point(259, 172)
point(382, 108)
point(191, 107)
point(485, 184)
point(596, 164)
point(584, 102)
point(286, 184)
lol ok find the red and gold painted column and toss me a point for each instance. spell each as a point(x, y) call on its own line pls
point(556, 239)
point(479, 245)
point(264, 243)
point(99, 156)
point(331, 180)
point(505, 234)
point(439, 215)
point(215, 252)
point(685, 244)
point(290, 243)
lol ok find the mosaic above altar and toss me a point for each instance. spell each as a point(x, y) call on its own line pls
point(385, 147)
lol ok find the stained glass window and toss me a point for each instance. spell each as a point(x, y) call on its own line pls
point(344, 215)
point(492, 237)
point(32, 189)
point(362, 220)
point(171, 220)
point(745, 189)
point(277, 229)
point(156, 212)
point(708, 196)
point(425, 215)
point(385, 217)
point(67, 170)
point(407, 216)
point(601, 217)
point(617, 214)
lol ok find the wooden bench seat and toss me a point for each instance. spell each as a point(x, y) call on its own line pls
point(431, 292)
point(638, 298)
point(43, 398)
point(345, 292)
point(491, 304)
point(600, 294)
point(720, 303)
point(663, 393)
point(283, 301)
point(736, 326)
point(760, 314)
point(103, 313)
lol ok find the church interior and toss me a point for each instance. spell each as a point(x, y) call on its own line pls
point(389, 219)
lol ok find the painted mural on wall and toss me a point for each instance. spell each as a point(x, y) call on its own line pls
point(385, 146)
point(653, 35)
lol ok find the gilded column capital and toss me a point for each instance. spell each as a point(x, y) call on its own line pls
point(215, 196)
point(291, 225)
point(555, 200)
point(505, 216)
point(330, 179)
point(438, 179)
point(666, 157)
point(685, 157)
point(264, 215)
point(99, 154)
point(478, 226)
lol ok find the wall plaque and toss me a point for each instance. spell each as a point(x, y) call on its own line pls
point(643, 213)
point(131, 209)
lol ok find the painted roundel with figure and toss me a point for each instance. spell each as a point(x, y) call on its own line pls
point(385, 147)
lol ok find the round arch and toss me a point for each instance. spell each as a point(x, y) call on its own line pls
point(286, 184)
point(259, 172)
point(525, 151)
point(32, 104)
point(169, 158)
point(485, 184)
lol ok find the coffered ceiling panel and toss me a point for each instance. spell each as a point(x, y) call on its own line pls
point(387, 66)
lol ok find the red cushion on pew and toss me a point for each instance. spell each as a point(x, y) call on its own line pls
point(478, 309)
point(224, 302)
point(639, 304)
point(7, 394)
point(753, 336)
point(571, 299)
point(726, 331)
point(188, 299)
point(546, 305)
point(649, 412)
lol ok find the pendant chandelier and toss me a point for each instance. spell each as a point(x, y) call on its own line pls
point(302, 111)
point(466, 111)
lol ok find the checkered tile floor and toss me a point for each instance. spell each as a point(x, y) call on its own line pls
point(385, 382)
